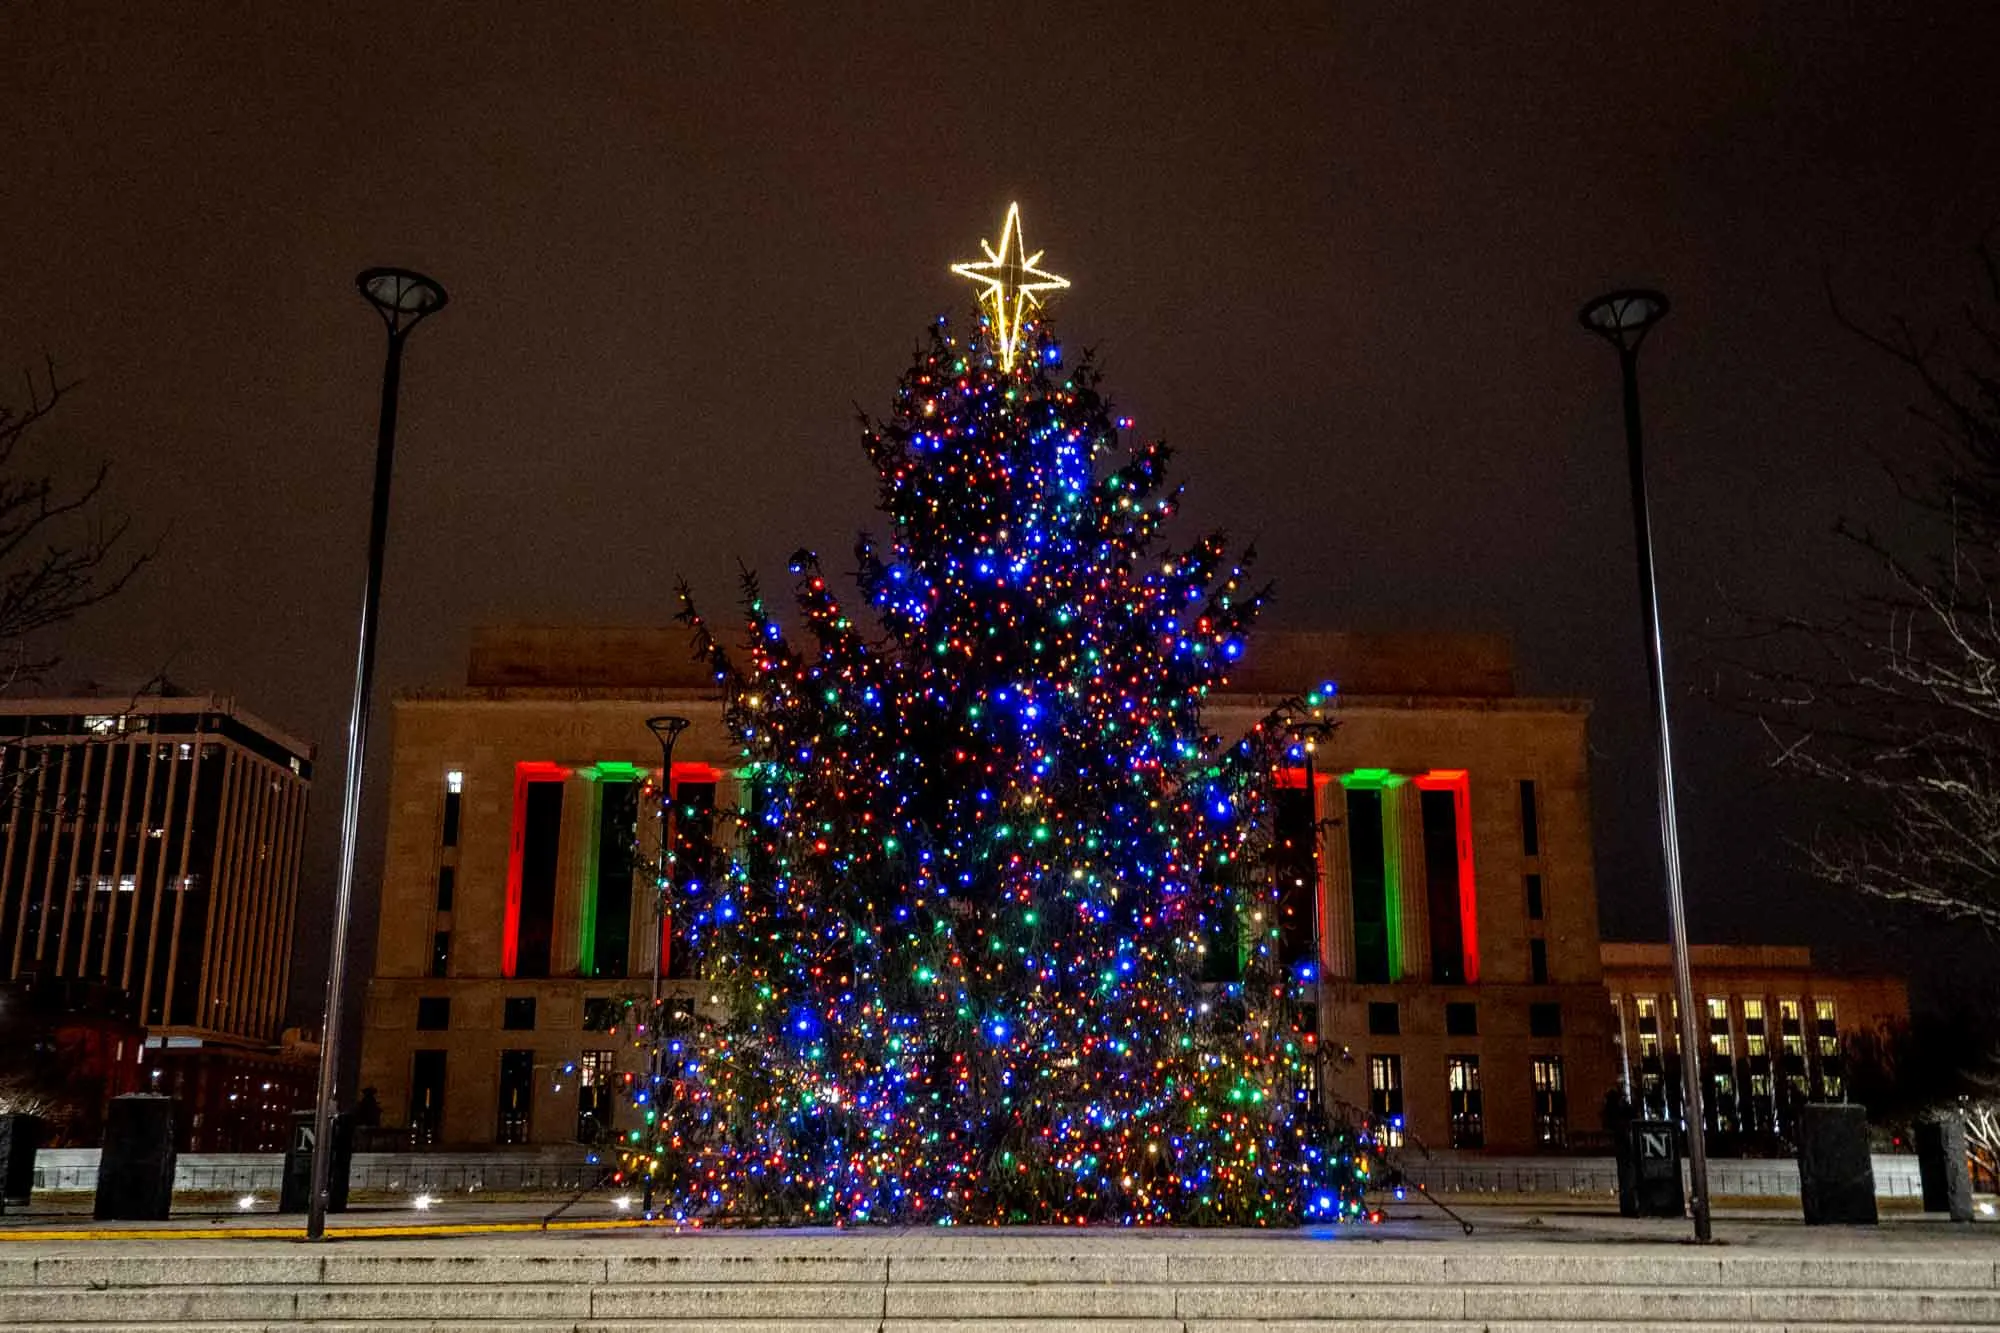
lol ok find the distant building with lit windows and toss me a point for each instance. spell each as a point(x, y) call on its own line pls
point(1454, 909)
point(1774, 1030)
point(149, 855)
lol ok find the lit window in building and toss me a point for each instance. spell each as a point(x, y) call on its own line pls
point(1755, 1042)
point(1647, 1010)
point(1759, 1106)
point(594, 1090)
point(1793, 1077)
point(1652, 1089)
point(454, 788)
point(1826, 1033)
point(1722, 1111)
point(1468, 1110)
point(1385, 1098)
point(1551, 1102)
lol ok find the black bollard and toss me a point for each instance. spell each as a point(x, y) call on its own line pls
point(1943, 1169)
point(20, 1139)
point(1836, 1174)
point(135, 1172)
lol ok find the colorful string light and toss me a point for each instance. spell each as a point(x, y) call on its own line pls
point(997, 938)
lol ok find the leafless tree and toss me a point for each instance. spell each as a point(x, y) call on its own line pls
point(60, 554)
point(1892, 704)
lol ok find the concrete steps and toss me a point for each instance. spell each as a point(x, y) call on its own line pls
point(965, 1284)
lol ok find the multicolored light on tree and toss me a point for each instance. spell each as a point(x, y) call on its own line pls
point(997, 939)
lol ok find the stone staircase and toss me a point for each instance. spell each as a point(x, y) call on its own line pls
point(987, 1283)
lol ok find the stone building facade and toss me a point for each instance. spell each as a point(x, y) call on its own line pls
point(1776, 1029)
point(1455, 898)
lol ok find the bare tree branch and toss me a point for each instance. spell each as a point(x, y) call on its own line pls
point(1891, 706)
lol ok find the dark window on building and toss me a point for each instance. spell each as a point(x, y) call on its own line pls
point(454, 783)
point(1468, 1106)
point(519, 1014)
point(1222, 945)
point(541, 836)
point(426, 1096)
point(1538, 961)
point(1385, 1019)
point(617, 838)
point(433, 1013)
point(447, 882)
point(517, 1091)
point(694, 856)
point(1298, 878)
point(601, 1013)
point(1461, 1019)
point(441, 953)
point(1369, 881)
point(1441, 887)
point(1534, 897)
point(1545, 1020)
point(1531, 824)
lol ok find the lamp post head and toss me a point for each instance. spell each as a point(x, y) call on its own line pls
point(1623, 318)
point(400, 296)
point(667, 730)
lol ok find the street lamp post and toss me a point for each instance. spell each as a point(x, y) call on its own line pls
point(403, 299)
point(1623, 318)
point(666, 730)
point(1309, 734)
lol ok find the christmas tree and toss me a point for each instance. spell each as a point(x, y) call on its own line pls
point(998, 939)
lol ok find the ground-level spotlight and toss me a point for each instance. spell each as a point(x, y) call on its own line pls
point(247, 1202)
point(422, 1203)
point(622, 1203)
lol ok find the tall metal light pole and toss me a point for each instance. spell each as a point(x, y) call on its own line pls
point(666, 730)
point(403, 299)
point(1309, 734)
point(1623, 318)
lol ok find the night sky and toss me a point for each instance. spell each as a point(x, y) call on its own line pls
point(1332, 252)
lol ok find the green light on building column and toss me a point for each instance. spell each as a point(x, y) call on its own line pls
point(609, 770)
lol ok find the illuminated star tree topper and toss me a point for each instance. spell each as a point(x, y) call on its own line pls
point(1011, 285)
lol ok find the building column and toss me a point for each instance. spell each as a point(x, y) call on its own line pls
point(576, 852)
point(1336, 883)
point(1404, 814)
point(645, 930)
